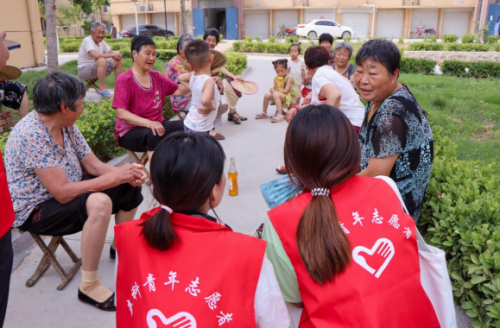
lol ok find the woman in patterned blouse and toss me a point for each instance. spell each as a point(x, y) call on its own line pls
point(174, 69)
point(396, 138)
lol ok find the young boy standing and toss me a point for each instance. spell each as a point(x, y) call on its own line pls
point(205, 95)
point(326, 41)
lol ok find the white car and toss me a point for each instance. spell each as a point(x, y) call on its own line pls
point(317, 27)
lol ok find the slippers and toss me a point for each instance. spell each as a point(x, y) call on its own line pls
point(105, 94)
point(277, 119)
point(107, 305)
point(261, 116)
point(281, 169)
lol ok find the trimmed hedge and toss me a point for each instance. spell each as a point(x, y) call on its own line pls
point(262, 47)
point(426, 46)
point(468, 38)
point(467, 47)
point(451, 38)
point(483, 69)
point(236, 63)
point(492, 39)
point(496, 47)
point(461, 215)
point(417, 65)
point(70, 47)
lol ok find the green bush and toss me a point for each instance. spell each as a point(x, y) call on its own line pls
point(429, 38)
point(236, 63)
point(401, 41)
point(417, 65)
point(166, 45)
point(496, 47)
point(258, 39)
point(492, 39)
point(467, 47)
point(347, 39)
point(97, 125)
point(69, 47)
point(481, 69)
point(166, 54)
point(263, 47)
point(451, 38)
point(117, 46)
point(271, 39)
point(426, 46)
point(461, 215)
point(248, 39)
point(468, 38)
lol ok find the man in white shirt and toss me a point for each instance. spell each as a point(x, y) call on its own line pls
point(97, 60)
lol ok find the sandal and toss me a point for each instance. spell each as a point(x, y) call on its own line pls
point(107, 305)
point(281, 169)
point(261, 116)
point(234, 117)
point(219, 136)
point(277, 119)
point(105, 94)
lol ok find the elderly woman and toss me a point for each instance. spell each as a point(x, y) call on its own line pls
point(396, 138)
point(319, 242)
point(174, 69)
point(44, 157)
point(139, 97)
point(342, 54)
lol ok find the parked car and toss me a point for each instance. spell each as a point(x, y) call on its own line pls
point(315, 28)
point(147, 30)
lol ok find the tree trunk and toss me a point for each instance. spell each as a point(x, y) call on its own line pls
point(183, 26)
point(52, 53)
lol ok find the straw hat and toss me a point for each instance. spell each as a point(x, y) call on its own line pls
point(9, 73)
point(246, 87)
point(219, 61)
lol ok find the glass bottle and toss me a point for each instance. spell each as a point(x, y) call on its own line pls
point(233, 178)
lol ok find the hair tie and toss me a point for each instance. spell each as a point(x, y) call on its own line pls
point(166, 208)
point(320, 192)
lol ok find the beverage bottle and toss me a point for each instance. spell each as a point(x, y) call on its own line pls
point(233, 178)
point(280, 85)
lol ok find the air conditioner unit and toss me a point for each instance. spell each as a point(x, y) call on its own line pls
point(143, 8)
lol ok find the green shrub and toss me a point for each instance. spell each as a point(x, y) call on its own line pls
point(417, 65)
point(347, 39)
point(450, 38)
point(271, 39)
point(248, 39)
point(492, 39)
point(496, 47)
point(263, 47)
point(166, 45)
point(236, 63)
point(401, 41)
point(165, 54)
point(481, 69)
point(426, 46)
point(467, 47)
point(117, 46)
point(69, 47)
point(258, 39)
point(97, 125)
point(429, 38)
point(173, 38)
point(221, 36)
point(237, 46)
point(461, 215)
point(468, 38)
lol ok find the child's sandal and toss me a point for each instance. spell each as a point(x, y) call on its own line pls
point(277, 119)
point(261, 116)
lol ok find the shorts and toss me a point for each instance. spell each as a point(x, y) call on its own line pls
point(52, 218)
point(188, 130)
point(287, 103)
point(89, 71)
point(11, 94)
point(305, 91)
point(142, 139)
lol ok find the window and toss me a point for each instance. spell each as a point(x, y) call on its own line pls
point(105, 8)
point(323, 23)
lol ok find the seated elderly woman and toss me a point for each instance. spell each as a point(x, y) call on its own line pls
point(44, 157)
point(396, 138)
point(342, 54)
point(139, 97)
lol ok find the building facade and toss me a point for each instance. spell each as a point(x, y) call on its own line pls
point(369, 18)
point(21, 20)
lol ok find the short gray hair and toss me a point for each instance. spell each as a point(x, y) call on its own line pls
point(183, 38)
point(95, 24)
point(56, 89)
point(346, 46)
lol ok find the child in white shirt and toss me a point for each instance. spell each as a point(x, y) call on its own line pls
point(205, 95)
point(296, 66)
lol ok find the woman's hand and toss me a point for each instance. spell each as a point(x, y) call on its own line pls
point(130, 173)
point(238, 78)
point(291, 114)
point(157, 128)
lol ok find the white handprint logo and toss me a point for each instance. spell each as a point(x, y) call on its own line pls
point(179, 320)
point(383, 248)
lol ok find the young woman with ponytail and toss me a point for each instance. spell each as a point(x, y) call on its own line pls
point(180, 267)
point(344, 250)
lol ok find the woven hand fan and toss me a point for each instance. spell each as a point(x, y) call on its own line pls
point(246, 87)
point(10, 73)
point(219, 61)
point(280, 191)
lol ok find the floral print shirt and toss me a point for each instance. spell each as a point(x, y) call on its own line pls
point(400, 127)
point(173, 69)
point(31, 146)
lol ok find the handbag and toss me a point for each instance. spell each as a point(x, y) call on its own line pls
point(433, 273)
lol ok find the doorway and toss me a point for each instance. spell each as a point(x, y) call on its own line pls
point(216, 18)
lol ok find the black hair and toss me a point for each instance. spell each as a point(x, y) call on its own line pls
point(182, 39)
point(282, 62)
point(212, 32)
point(184, 169)
point(197, 53)
point(326, 37)
point(56, 89)
point(382, 51)
point(140, 41)
point(294, 45)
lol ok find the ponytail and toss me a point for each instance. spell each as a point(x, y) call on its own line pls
point(323, 246)
point(159, 232)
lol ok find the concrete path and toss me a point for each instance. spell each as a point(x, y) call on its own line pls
point(257, 147)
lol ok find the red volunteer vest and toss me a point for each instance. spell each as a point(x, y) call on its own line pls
point(207, 279)
point(7, 217)
point(381, 286)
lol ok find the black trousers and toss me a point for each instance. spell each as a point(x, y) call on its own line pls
point(6, 258)
point(143, 139)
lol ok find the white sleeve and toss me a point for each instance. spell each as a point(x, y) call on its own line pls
point(302, 65)
point(270, 308)
point(87, 45)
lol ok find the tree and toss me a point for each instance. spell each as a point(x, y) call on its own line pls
point(71, 15)
point(98, 4)
point(52, 53)
point(183, 17)
point(87, 6)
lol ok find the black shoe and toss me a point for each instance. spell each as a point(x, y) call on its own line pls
point(112, 253)
point(107, 305)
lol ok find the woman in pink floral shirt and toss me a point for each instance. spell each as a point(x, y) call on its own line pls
point(174, 69)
